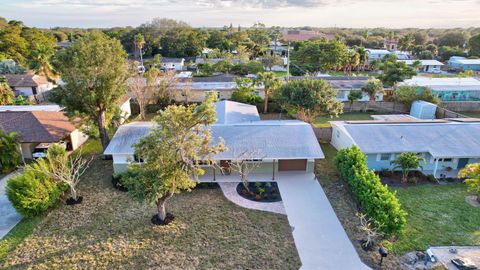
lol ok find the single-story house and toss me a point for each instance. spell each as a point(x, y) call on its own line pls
point(194, 89)
point(463, 63)
point(173, 63)
point(344, 85)
point(278, 145)
point(447, 145)
point(428, 66)
point(380, 54)
point(36, 128)
point(448, 89)
point(34, 87)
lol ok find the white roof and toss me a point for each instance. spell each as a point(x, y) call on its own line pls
point(207, 86)
point(242, 130)
point(30, 108)
point(467, 61)
point(440, 139)
point(234, 112)
point(444, 84)
point(424, 62)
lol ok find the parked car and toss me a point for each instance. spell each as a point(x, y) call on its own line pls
point(464, 264)
point(40, 150)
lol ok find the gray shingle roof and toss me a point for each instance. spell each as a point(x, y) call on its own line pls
point(242, 130)
point(441, 139)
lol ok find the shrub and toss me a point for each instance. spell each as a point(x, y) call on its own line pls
point(431, 178)
point(376, 201)
point(32, 193)
point(385, 173)
point(412, 180)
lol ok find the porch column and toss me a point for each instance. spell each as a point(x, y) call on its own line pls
point(214, 173)
point(273, 170)
point(435, 168)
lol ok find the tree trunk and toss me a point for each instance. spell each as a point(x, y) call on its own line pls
point(102, 129)
point(142, 111)
point(162, 214)
point(265, 103)
point(73, 193)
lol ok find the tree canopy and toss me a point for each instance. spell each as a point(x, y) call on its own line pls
point(172, 152)
point(309, 98)
point(94, 71)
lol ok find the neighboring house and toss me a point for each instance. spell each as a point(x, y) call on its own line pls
point(391, 44)
point(34, 87)
point(172, 63)
point(379, 54)
point(301, 35)
point(344, 85)
point(37, 129)
point(447, 145)
point(428, 66)
point(278, 145)
point(448, 89)
point(26, 108)
point(462, 63)
point(194, 89)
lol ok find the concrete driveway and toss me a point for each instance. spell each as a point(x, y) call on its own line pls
point(8, 216)
point(319, 236)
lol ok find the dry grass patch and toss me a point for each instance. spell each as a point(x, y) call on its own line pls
point(110, 230)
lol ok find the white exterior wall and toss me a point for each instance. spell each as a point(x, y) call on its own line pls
point(77, 138)
point(27, 149)
point(342, 95)
point(176, 66)
point(24, 91)
point(125, 111)
point(340, 139)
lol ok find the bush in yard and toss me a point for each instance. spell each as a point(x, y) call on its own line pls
point(376, 201)
point(32, 193)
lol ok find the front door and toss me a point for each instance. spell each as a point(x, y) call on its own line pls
point(462, 162)
point(292, 165)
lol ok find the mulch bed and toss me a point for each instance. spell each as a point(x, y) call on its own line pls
point(260, 192)
point(394, 179)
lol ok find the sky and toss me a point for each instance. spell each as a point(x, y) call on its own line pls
point(217, 13)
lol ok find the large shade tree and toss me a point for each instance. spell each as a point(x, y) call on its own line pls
point(309, 98)
point(94, 71)
point(394, 71)
point(40, 62)
point(173, 152)
point(372, 88)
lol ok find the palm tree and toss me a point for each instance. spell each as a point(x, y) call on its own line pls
point(6, 94)
point(40, 62)
point(270, 84)
point(407, 162)
point(363, 57)
point(9, 151)
point(139, 41)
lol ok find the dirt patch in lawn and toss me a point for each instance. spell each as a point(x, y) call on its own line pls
point(110, 230)
point(346, 208)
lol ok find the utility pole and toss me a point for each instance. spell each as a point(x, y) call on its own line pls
point(288, 62)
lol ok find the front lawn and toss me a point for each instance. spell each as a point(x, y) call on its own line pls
point(437, 215)
point(471, 114)
point(322, 121)
point(110, 230)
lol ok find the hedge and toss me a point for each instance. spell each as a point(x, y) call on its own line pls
point(376, 201)
point(32, 193)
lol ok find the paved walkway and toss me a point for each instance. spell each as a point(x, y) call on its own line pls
point(319, 236)
point(8, 216)
point(229, 189)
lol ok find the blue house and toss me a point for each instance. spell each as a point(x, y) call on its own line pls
point(463, 63)
point(448, 89)
point(446, 145)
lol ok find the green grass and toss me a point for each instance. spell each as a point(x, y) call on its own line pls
point(110, 230)
point(280, 73)
point(23, 229)
point(437, 215)
point(322, 121)
point(91, 146)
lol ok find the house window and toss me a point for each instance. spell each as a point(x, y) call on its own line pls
point(138, 159)
point(338, 134)
point(447, 160)
point(385, 157)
